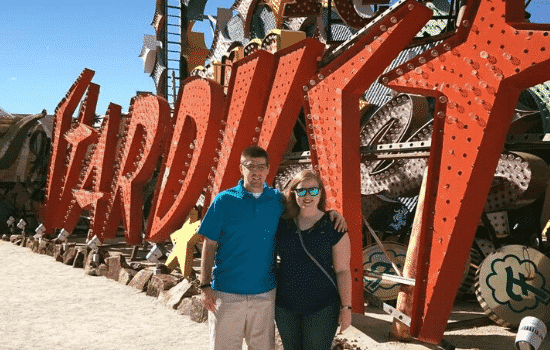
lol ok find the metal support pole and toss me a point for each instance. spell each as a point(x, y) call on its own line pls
point(165, 48)
point(174, 87)
point(329, 22)
point(184, 23)
point(393, 263)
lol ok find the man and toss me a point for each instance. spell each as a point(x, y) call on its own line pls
point(239, 230)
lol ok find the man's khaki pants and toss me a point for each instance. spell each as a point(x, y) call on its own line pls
point(238, 316)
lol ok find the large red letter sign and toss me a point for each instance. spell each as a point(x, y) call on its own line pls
point(97, 175)
point(145, 132)
point(334, 140)
point(69, 149)
point(295, 65)
point(190, 156)
point(248, 91)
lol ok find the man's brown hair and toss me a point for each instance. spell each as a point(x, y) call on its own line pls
point(255, 152)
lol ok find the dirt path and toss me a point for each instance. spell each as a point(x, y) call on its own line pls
point(48, 305)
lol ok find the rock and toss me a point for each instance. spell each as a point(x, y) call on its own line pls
point(41, 246)
point(50, 249)
point(174, 296)
point(137, 266)
point(94, 259)
point(141, 280)
point(198, 313)
point(126, 275)
point(163, 269)
point(5, 237)
point(115, 264)
point(91, 271)
point(184, 308)
point(161, 282)
point(192, 307)
point(97, 256)
point(33, 244)
point(80, 257)
point(26, 242)
point(15, 239)
point(69, 255)
point(102, 270)
point(29, 243)
point(45, 246)
point(89, 264)
point(90, 268)
point(340, 344)
point(58, 251)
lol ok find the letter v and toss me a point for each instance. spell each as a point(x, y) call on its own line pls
point(69, 148)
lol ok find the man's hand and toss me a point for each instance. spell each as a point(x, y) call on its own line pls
point(208, 296)
point(339, 222)
point(208, 299)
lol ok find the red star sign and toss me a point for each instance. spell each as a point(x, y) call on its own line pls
point(476, 77)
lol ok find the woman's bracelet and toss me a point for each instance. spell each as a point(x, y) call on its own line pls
point(345, 307)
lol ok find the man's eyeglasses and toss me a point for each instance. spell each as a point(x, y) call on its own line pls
point(313, 191)
point(252, 167)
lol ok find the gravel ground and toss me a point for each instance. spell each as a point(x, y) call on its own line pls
point(49, 305)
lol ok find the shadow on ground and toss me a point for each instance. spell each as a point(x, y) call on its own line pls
point(468, 328)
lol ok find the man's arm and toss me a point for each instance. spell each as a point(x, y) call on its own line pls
point(208, 298)
point(339, 222)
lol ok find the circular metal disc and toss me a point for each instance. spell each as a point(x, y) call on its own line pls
point(375, 260)
point(469, 278)
point(514, 282)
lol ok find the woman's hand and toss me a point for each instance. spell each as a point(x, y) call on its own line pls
point(339, 222)
point(208, 299)
point(345, 319)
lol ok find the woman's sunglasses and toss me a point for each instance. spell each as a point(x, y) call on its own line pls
point(313, 191)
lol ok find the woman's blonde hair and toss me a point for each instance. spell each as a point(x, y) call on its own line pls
point(292, 209)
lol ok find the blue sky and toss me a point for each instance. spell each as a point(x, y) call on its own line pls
point(45, 45)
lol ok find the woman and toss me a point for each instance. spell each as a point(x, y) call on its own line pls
point(313, 297)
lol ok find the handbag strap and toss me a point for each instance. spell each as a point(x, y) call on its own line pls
point(314, 260)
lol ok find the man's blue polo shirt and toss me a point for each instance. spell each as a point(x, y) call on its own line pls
point(244, 227)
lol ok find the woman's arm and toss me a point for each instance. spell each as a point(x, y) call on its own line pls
point(340, 261)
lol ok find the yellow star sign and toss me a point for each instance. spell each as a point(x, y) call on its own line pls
point(184, 241)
